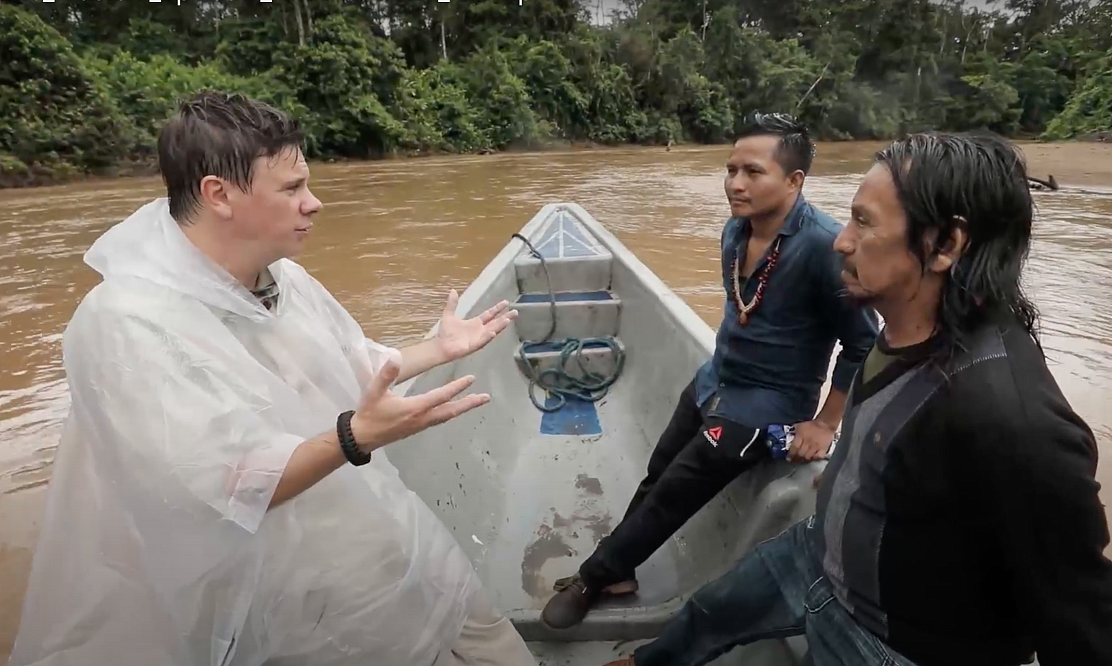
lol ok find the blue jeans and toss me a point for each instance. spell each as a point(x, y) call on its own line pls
point(776, 591)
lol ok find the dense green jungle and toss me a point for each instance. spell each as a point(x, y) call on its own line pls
point(85, 84)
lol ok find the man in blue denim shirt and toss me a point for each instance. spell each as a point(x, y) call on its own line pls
point(785, 308)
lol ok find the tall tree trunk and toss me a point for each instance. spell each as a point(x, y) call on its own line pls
point(443, 16)
point(300, 23)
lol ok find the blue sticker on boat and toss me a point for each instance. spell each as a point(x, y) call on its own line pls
point(576, 417)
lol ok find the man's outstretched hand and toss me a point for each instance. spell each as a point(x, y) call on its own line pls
point(383, 417)
point(460, 337)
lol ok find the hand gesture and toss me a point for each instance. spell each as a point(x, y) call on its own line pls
point(812, 441)
point(461, 337)
point(383, 417)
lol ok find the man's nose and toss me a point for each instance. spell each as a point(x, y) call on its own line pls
point(313, 205)
point(842, 242)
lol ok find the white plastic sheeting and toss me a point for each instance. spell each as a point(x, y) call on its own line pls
point(188, 398)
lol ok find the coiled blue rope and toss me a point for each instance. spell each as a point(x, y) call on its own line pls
point(557, 382)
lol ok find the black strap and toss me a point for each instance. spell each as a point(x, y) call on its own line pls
point(352, 452)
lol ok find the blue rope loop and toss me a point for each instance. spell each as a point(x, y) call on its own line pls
point(559, 382)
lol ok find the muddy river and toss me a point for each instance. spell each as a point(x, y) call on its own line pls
point(395, 236)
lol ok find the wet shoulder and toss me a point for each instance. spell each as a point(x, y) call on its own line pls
point(119, 301)
point(1004, 386)
point(729, 228)
point(817, 232)
point(820, 226)
point(130, 296)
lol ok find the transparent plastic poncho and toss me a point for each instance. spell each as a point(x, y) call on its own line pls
point(188, 398)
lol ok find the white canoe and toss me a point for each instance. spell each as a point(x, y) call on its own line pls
point(528, 494)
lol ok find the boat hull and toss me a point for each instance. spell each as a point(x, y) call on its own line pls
point(528, 494)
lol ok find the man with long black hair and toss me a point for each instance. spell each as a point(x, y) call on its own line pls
point(958, 521)
point(785, 308)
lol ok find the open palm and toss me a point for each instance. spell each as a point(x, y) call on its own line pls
point(460, 337)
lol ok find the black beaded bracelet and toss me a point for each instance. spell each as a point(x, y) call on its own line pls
point(352, 452)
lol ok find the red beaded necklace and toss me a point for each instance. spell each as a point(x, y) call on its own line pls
point(745, 309)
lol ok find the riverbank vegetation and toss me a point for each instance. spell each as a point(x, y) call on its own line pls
point(85, 85)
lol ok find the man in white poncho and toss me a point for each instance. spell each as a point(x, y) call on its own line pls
point(215, 500)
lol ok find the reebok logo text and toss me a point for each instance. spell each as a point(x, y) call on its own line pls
point(713, 435)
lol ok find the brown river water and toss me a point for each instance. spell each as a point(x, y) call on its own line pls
point(395, 236)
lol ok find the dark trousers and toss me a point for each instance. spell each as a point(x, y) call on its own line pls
point(776, 591)
point(695, 458)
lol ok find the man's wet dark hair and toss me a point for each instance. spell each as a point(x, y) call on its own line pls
point(979, 181)
point(218, 134)
point(796, 151)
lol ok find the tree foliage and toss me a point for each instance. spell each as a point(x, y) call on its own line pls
point(84, 86)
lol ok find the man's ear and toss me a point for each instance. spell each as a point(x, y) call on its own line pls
point(946, 254)
point(214, 195)
point(796, 179)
